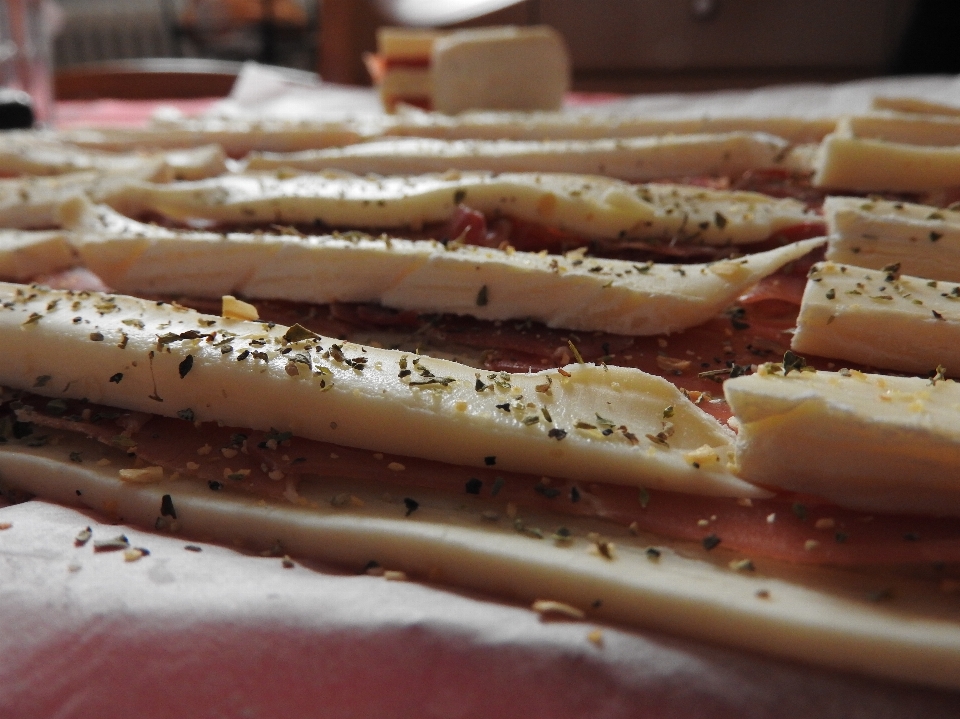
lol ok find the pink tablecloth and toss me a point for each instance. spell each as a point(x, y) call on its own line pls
point(122, 113)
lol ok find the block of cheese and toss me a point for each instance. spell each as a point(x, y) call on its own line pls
point(880, 319)
point(504, 68)
point(495, 68)
point(923, 240)
point(869, 442)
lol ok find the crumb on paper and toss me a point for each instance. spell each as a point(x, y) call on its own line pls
point(548, 608)
point(596, 638)
point(83, 536)
point(286, 562)
point(135, 553)
point(193, 548)
point(5, 525)
point(394, 575)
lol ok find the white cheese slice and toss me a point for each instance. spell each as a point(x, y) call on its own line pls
point(594, 207)
point(923, 240)
point(565, 125)
point(847, 161)
point(236, 136)
point(25, 255)
point(878, 319)
point(633, 159)
point(571, 292)
point(815, 615)
point(593, 424)
point(28, 153)
point(870, 442)
point(34, 202)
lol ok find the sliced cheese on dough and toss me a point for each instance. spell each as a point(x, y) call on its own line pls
point(571, 292)
point(820, 616)
point(40, 154)
point(599, 423)
point(850, 162)
point(923, 240)
point(237, 137)
point(34, 202)
point(594, 207)
point(567, 125)
point(869, 442)
point(26, 255)
point(633, 159)
point(405, 84)
point(878, 319)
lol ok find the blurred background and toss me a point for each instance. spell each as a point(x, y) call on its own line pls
point(615, 45)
